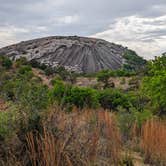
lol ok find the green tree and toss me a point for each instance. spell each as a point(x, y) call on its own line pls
point(103, 76)
point(154, 85)
point(133, 61)
point(74, 96)
point(113, 98)
point(5, 62)
point(83, 97)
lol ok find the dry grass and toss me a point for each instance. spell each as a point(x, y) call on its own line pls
point(3, 105)
point(79, 138)
point(153, 141)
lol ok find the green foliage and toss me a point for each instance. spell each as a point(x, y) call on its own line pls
point(24, 70)
point(113, 98)
point(49, 71)
point(37, 64)
point(34, 97)
point(157, 66)
point(62, 72)
point(21, 61)
point(127, 119)
point(83, 97)
point(78, 96)
point(8, 122)
point(21, 88)
point(137, 100)
point(104, 76)
point(133, 61)
point(123, 81)
point(5, 62)
point(154, 85)
point(58, 91)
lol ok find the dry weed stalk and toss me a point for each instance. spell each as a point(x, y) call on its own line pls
point(81, 138)
point(153, 141)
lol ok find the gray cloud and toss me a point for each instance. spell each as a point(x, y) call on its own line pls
point(142, 34)
point(26, 19)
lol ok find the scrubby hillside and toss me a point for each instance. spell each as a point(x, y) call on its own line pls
point(46, 118)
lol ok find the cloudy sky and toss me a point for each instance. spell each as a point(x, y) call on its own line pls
point(137, 24)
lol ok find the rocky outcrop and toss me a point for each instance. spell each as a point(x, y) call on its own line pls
point(80, 54)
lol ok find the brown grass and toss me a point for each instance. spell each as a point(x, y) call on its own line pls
point(81, 138)
point(153, 141)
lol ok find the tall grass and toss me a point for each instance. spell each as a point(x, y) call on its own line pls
point(79, 138)
point(153, 141)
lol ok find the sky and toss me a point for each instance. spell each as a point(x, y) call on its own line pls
point(137, 24)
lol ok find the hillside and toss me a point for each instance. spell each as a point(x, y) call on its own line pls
point(80, 54)
point(68, 119)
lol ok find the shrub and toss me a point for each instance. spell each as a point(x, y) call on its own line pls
point(8, 122)
point(5, 62)
point(154, 85)
point(34, 63)
point(134, 62)
point(130, 122)
point(113, 98)
point(49, 71)
point(25, 72)
point(83, 97)
point(104, 76)
point(58, 91)
point(34, 97)
point(78, 96)
point(24, 69)
point(21, 61)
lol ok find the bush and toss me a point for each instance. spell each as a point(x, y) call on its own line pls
point(83, 97)
point(112, 99)
point(25, 72)
point(34, 63)
point(5, 62)
point(8, 122)
point(58, 91)
point(78, 96)
point(24, 69)
point(21, 61)
point(154, 85)
point(49, 71)
point(103, 76)
point(133, 61)
point(130, 119)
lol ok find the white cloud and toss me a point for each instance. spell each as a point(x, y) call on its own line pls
point(12, 34)
point(65, 20)
point(68, 19)
point(145, 35)
point(8, 34)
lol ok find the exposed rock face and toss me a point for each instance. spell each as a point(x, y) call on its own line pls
point(80, 54)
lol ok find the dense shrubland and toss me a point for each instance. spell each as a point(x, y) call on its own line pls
point(65, 124)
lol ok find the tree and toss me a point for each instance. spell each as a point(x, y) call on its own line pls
point(113, 98)
point(104, 76)
point(154, 84)
point(74, 96)
point(133, 61)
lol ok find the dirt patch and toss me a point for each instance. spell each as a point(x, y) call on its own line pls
point(45, 79)
point(119, 82)
point(3, 105)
